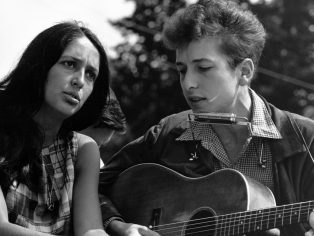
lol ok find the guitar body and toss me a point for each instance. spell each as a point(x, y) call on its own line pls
point(153, 195)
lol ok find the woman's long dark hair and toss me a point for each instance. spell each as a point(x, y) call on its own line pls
point(22, 94)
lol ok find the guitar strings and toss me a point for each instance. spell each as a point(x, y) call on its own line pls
point(245, 216)
point(213, 220)
point(226, 222)
point(228, 228)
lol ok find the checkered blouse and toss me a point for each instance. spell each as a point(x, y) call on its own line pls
point(255, 159)
point(50, 210)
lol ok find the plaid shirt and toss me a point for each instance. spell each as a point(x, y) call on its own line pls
point(255, 159)
point(30, 209)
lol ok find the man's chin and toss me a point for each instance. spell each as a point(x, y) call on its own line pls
point(200, 110)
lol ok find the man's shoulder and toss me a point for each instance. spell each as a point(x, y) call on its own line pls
point(176, 119)
point(282, 116)
point(183, 115)
point(302, 121)
point(174, 123)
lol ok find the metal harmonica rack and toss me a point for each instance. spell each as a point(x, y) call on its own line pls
point(218, 118)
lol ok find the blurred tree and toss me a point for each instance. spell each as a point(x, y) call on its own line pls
point(143, 79)
point(287, 64)
point(146, 82)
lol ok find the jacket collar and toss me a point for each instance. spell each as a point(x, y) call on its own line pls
point(290, 143)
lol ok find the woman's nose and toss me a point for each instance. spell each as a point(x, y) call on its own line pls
point(78, 79)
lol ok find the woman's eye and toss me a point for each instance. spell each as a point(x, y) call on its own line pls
point(70, 64)
point(91, 75)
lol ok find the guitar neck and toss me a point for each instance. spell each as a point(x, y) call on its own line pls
point(260, 220)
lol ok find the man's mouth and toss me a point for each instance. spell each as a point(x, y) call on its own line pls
point(194, 99)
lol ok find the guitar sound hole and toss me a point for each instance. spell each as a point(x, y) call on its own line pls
point(202, 223)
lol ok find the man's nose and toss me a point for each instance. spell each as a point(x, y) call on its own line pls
point(190, 80)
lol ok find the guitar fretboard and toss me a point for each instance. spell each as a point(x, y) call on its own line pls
point(260, 220)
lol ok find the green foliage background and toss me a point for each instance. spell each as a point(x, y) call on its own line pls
point(146, 82)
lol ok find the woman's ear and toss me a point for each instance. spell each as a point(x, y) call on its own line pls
point(246, 68)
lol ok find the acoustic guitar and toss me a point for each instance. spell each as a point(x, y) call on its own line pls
point(223, 203)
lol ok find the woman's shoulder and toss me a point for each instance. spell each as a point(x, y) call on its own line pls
point(85, 144)
point(88, 151)
point(83, 139)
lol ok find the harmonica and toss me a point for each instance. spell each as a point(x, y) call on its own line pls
point(218, 118)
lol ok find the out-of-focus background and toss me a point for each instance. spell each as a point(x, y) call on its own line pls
point(22, 20)
point(143, 74)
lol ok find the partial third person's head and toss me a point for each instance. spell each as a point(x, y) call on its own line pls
point(111, 120)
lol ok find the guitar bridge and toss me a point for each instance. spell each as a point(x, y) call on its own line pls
point(155, 219)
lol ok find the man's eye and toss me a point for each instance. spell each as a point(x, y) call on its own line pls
point(181, 71)
point(204, 69)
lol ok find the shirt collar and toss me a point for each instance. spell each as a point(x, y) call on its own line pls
point(261, 123)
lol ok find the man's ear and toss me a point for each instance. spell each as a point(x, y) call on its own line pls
point(246, 69)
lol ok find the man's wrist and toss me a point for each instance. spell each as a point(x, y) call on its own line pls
point(110, 220)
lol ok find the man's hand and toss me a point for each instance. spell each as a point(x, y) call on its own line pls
point(118, 228)
point(311, 221)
